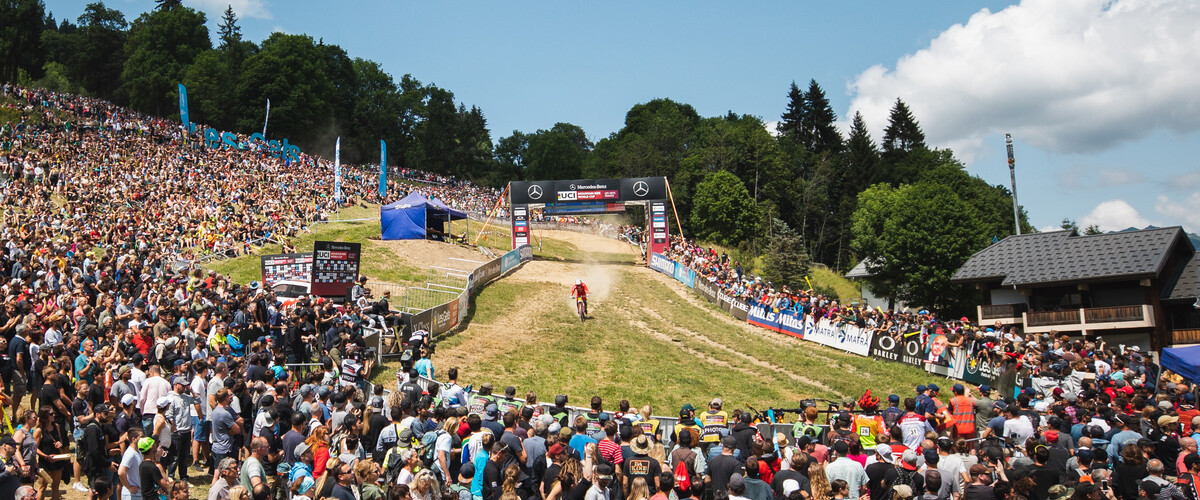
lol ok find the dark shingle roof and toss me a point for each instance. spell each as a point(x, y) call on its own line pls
point(859, 271)
point(1187, 285)
point(1062, 257)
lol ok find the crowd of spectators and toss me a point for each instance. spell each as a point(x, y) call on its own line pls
point(141, 379)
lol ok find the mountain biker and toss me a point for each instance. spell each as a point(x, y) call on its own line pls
point(580, 291)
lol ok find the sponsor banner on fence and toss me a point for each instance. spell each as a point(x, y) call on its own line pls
point(977, 371)
point(792, 323)
point(707, 289)
point(526, 253)
point(910, 349)
point(685, 275)
point(484, 274)
point(464, 303)
point(951, 364)
point(762, 316)
point(509, 260)
point(445, 317)
point(419, 321)
point(660, 263)
point(847, 337)
point(739, 309)
point(886, 347)
point(723, 301)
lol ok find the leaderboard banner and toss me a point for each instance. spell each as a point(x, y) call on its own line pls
point(334, 267)
point(286, 267)
point(659, 239)
point(520, 225)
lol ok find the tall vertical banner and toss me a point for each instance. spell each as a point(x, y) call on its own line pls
point(183, 106)
point(337, 170)
point(658, 227)
point(267, 118)
point(382, 169)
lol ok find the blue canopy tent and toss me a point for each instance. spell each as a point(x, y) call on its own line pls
point(1183, 360)
point(414, 217)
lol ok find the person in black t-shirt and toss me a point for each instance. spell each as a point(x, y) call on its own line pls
point(150, 475)
point(49, 395)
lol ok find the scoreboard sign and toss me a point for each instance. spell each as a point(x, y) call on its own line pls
point(658, 227)
point(520, 225)
point(334, 267)
point(286, 267)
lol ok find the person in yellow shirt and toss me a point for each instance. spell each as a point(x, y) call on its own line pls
point(714, 424)
point(869, 423)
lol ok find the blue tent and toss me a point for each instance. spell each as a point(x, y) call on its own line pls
point(1183, 360)
point(412, 216)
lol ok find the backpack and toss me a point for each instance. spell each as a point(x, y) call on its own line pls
point(428, 447)
point(903, 477)
point(683, 477)
point(392, 464)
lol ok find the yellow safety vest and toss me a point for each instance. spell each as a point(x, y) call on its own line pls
point(714, 423)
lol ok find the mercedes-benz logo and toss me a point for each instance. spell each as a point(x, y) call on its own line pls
point(535, 192)
point(572, 187)
point(640, 188)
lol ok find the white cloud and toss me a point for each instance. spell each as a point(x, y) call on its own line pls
point(1114, 215)
point(772, 128)
point(1186, 212)
point(243, 8)
point(1092, 177)
point(1070, 76)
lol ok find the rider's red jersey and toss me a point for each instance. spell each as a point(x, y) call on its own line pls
point(579, 290)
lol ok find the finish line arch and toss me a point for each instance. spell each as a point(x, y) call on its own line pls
point(592, 196)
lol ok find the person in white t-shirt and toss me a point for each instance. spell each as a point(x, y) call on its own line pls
point(1017, 427)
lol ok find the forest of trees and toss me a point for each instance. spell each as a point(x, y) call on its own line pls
point(825, 197)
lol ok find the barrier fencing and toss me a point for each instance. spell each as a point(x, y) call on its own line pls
point(919, 348)
point(442, 304)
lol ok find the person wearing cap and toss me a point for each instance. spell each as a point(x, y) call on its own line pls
point(10, 470)
point(962, 412)
point(600, 487)
point(907, 472)
point(493, 470)
point(686, 423)
point(300, 476)
point(983, 407)
point(893, 412)
point(722, 467)
point(846, 469)
point(163, 425)
point(877, 471)
point(179, 412)
point(714, 424)
point(1166, 444)
point(954, 471)
point(979, 487)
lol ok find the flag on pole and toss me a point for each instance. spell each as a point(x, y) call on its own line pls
point(337, 170)
point(382, 169)
point(183, 105)
point(268, 118)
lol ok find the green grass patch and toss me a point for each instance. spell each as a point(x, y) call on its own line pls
point(825, 277)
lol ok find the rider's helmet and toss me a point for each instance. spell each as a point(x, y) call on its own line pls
point(578, 282)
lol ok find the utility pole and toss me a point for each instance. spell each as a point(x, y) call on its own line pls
point(1012, 172)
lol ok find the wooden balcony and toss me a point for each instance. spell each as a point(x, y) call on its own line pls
point(1185, 336)
point(1052, 318)
point(1006, 314)
point(1090, 319)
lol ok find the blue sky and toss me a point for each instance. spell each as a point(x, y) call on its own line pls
point(1103, 98)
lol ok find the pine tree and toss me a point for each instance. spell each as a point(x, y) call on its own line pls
point(168, 4)
point(231, 33)
point(862, 154)
point(818, 133)
point(791, 122)
point(902, 134)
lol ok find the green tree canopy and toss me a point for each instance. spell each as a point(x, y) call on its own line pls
point(724, 211)
point(914, 238)
point(161, 45)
